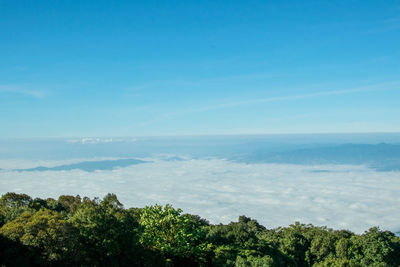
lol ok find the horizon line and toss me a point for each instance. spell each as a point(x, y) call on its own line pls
point(201, 135)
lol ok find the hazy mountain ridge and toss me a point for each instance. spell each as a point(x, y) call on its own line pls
point(382, 157)
point(89, 166)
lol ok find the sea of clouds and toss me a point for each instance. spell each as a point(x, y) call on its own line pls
point(352, 197)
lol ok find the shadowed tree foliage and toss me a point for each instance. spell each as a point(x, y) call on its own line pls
point(107, 232)
point(13, 253)
point(45, 231)
point(69, 203)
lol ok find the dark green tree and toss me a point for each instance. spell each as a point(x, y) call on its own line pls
point(107, 232)
point(45, 231)
point(12, 205)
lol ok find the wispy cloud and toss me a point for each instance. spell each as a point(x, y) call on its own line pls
point(22, 90)
point(253, 101)
point(385, 26)
point(365, 27)
point(199, 83)
point(391, 24)
point(19, 68)
point(97, 140)
point(225, 104)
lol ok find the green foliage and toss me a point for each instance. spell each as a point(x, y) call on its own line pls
point(45, 231)
point(178, 237)
point(338, 262)
point(255, 261)
point(377, 248)
point(38, 204)
point(72, 231)
point(107, 232)
point(69, 203)
point(14, 200)
point(12, 205)
point(241, 239)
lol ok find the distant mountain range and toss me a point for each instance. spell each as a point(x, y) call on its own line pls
point(89, 166)
point(382, 157)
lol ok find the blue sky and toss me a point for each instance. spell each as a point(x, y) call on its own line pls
point(79, 68)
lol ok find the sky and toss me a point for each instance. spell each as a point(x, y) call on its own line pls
point(137, 68)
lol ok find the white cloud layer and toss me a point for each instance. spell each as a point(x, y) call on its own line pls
point(96, 140)
point(339, 196)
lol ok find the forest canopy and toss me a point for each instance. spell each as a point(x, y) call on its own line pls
point(79, 231)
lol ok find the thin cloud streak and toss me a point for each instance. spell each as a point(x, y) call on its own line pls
point(296, 97)
point(255, 101)
point(21, 91)
point(198, 83)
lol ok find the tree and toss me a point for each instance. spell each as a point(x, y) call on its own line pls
point(69, 203)
point(180, 238)
point(107, 232)
point(12, 205)
point(14, 200)
point(93, 232)
point(45, 231)
point(377, 248)
point(254, 261)
point(13, 253)
point(244, 242)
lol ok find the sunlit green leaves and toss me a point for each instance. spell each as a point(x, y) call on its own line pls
point(174, 234)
